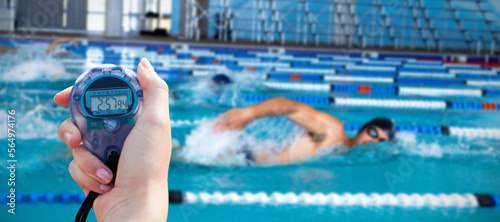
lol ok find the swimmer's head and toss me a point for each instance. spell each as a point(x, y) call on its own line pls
point(221, 80)
point(377, 130)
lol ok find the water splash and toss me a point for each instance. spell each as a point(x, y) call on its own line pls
point(203, 146)
point(203, 91)
point(409, 144)
point(31, 124)
point(42, 69)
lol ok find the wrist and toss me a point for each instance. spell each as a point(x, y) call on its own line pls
point(145, 206)
point(137, 214)
point(252, 112)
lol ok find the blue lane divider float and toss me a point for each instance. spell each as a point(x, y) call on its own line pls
point(426, 70)
point(367, 72)
point(492, 92)
point(269, 59)
point(478, 77)
point(430, 81)
point(49, 197)
point(173, 72)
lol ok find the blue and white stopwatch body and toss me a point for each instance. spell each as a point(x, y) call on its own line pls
point(105, 103)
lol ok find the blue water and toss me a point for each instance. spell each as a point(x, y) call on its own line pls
point(425, 163)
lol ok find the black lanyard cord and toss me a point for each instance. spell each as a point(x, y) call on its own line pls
point(89, 200)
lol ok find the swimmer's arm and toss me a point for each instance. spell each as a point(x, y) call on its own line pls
point(53, 45)
point(303, 115)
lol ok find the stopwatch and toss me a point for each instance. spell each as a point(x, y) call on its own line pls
point(105, 103)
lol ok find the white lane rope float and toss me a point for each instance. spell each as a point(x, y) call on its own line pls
point(395, 90)
point(344, 199)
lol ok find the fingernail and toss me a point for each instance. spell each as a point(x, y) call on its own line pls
point(67, 137)
point(145, 63)
point(103, 175)
point(105, 187)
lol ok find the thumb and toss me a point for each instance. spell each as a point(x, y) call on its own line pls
point(151, 83)
point(146, 151)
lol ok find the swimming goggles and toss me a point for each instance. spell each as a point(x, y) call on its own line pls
point(373, 133)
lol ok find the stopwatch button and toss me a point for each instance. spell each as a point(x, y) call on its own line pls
point(111, 125)
point(95, 143)
point(76, 97)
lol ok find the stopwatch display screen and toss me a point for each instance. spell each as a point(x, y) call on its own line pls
point(117, 103)
point(109, 102)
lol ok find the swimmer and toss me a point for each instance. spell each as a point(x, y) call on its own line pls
point(53, 45)
point(214, 85)
point(218, 83)
point(5, 48)
point(221, 80)
point(323, 130)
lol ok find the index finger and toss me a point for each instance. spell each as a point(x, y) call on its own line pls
point(62, 98)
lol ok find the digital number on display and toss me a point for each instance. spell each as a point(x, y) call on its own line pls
point(106, 103)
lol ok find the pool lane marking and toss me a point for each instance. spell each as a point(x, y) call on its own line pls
point(380, 103)
point(453, 200)
point(387, 90)
point(368, 78)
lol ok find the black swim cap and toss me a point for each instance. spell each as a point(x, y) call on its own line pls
point(221, 79)
point(383, 123)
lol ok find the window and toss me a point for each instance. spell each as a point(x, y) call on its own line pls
point(133, 14)
point(96, 16)
point(134, 10)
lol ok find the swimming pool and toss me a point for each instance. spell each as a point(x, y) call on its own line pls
point(446, 113)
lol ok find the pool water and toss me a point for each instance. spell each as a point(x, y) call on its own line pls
point(422, 163)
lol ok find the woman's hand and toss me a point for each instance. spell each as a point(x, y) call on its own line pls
point(234, 119)
point(140, 189)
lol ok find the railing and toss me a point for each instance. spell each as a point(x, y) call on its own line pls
point(444, 25)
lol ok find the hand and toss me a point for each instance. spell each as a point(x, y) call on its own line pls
point(140, 189)
point(234, 119)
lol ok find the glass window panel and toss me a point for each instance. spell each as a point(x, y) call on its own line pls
point(96, 5)
point(95, 22)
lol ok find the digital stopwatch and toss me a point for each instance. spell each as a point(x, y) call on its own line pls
point(105, 103)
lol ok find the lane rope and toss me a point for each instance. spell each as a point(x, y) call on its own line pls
point(382, 90)
point(456, 200)
point(379, 103)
